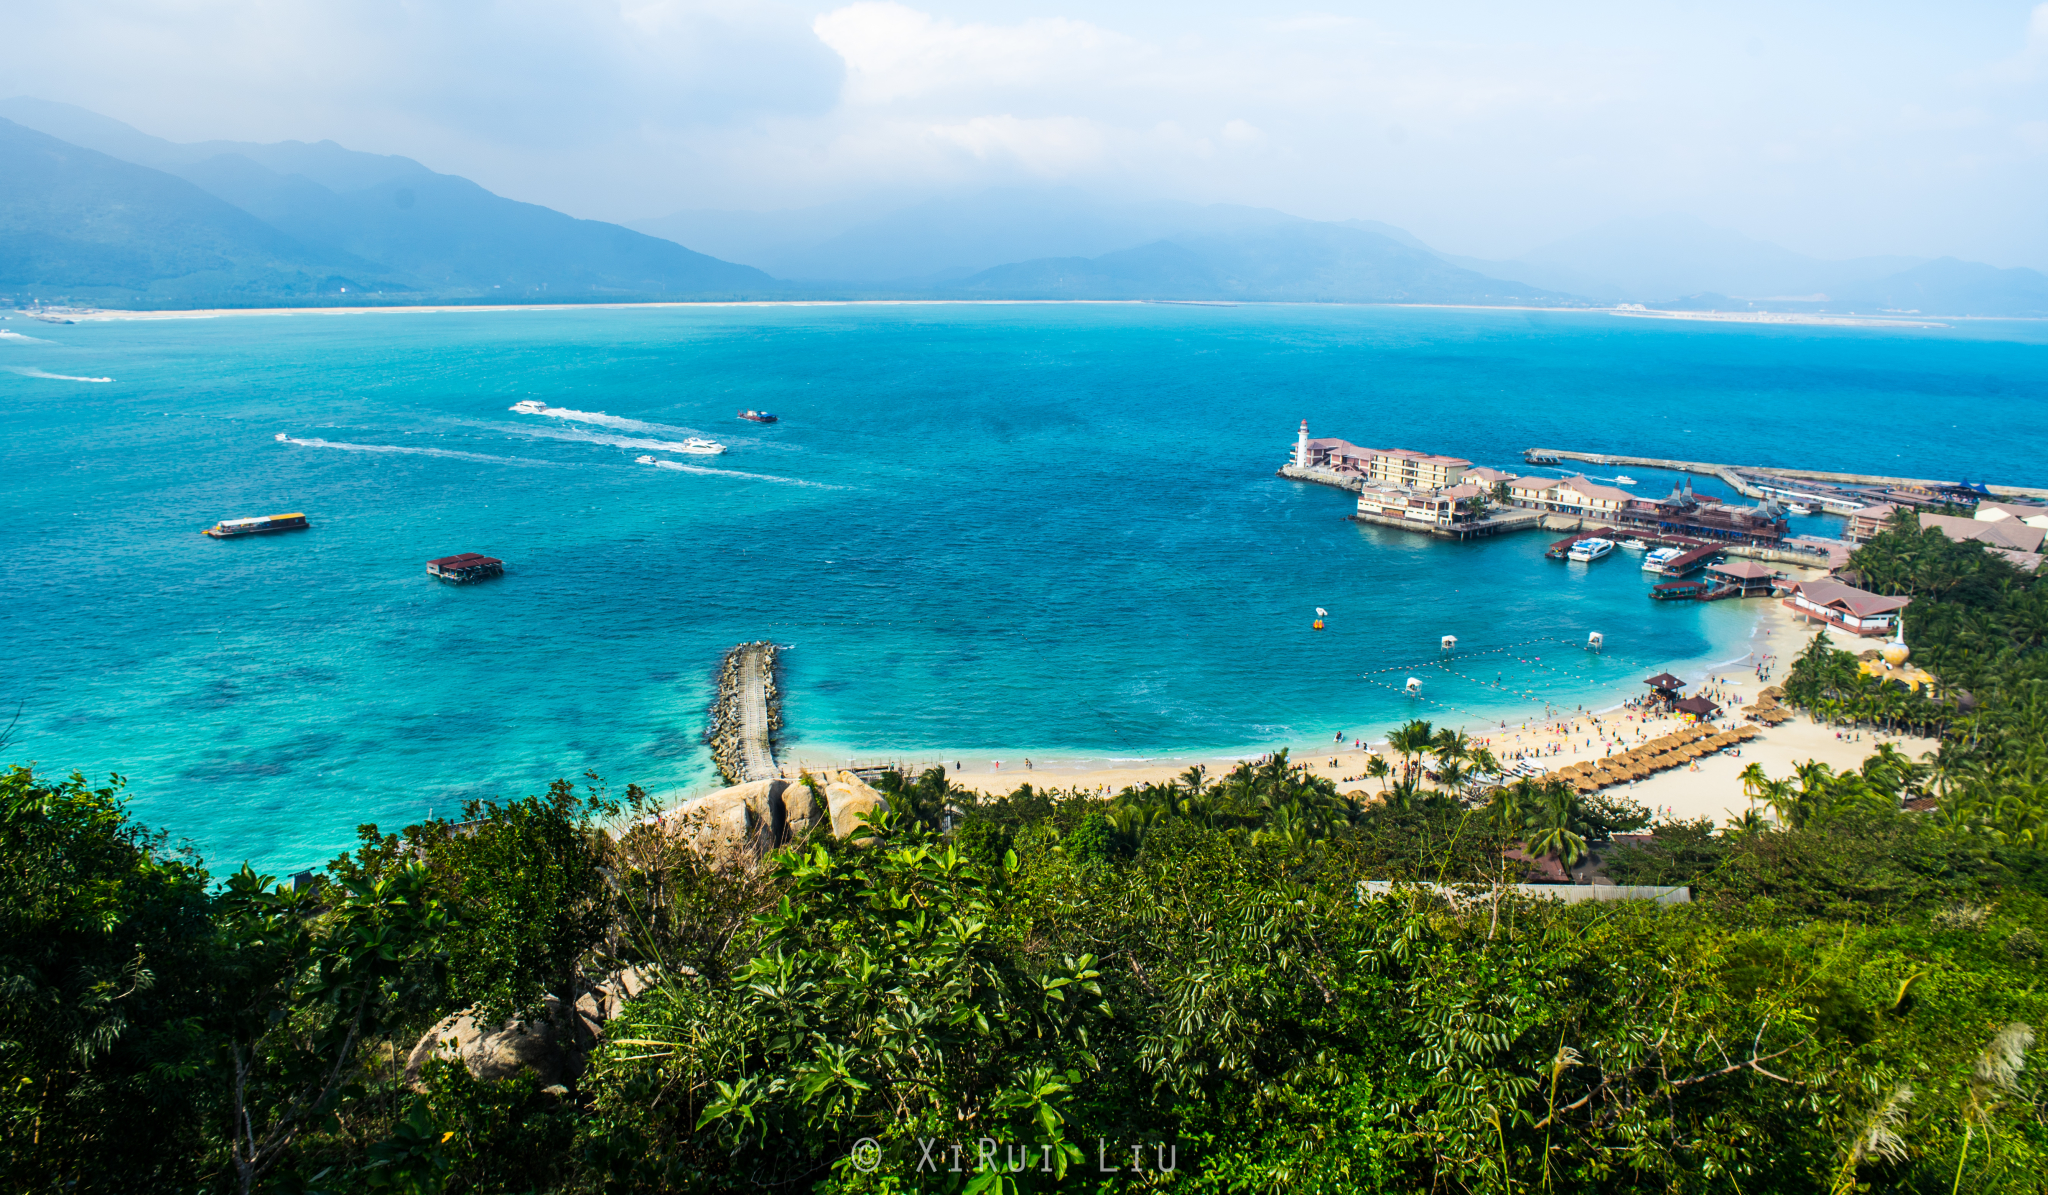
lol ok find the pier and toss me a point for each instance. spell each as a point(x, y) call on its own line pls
point(1748, 489)
point(746, 714)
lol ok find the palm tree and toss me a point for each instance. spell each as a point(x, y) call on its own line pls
point(1410, 741)
point(1194, 778)
point(1377, 767)
point(1753, 781)
point(1451, 775)
point(1449, 745)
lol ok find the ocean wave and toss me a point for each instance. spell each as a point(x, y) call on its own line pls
point(30, 371)
point(604, 420)
point(5, 334)
point(450, 453)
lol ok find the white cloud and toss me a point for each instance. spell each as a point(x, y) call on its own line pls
point(893, 52)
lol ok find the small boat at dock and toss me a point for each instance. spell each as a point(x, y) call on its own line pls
point(1623, 479)
point(1634, 545)
point(1655, 561)
point(1589, 550)
point(1793, 508)
point(229, 528)
point(759, 417)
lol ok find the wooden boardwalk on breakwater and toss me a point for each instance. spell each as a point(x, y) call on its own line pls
point(1728, 473)
point(746, 714)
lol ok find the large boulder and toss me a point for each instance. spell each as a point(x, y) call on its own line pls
point(740, 824)
point(493, 1052)
point(847, 797)
point(804, 806)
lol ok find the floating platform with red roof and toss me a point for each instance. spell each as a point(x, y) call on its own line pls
point(466, 566)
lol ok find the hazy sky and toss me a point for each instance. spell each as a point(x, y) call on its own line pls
point(1486, 128)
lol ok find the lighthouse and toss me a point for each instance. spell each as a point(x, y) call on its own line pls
point(1301, 447)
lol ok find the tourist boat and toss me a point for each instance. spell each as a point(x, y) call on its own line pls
point(758, 417)
point(1587, 550)
point(1679, 591)
point(1634, 545)
point(1655, 561)
point(228, 528)
point(530, 407)
point(465, 567)
point(1623, 479)
point(701, 446)
point(1793, 508)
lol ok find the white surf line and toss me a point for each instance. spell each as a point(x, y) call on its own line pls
point(30, 371)
point(449, 453)
point(6, 334)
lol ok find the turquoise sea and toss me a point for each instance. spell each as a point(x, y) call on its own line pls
point(983, 532)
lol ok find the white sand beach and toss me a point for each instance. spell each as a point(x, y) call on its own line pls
point(1709, 788)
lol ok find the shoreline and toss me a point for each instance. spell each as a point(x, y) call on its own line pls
point(1710, 788)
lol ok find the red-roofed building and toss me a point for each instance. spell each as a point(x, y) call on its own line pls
point(1846, 607)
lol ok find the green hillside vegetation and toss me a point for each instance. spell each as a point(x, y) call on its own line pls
point(1187, 975)
point(78, 223)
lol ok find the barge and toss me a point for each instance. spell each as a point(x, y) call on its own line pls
point(229, 528)
point(759, 417)
point(466, 566)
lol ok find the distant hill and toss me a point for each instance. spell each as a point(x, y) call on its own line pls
point(1951, 287)
point(1289, 261)
point(74, 222)
point(415, 230)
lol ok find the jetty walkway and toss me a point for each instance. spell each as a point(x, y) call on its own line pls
point(746, 714)
point(1732, 474)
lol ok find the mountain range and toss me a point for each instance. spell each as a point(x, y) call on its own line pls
point(94, 210)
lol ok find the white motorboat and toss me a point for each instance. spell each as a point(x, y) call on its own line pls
point(1623, 479)
point(1793, 508)
point(1655, 561)
point(530, 407)
point(702, 447)
point(1588, 550)
point(1634, 545)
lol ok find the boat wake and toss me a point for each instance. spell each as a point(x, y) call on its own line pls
point(680, 467)
point(30, 371)
point(693, 446)
point(450, 453)
point(530, 407)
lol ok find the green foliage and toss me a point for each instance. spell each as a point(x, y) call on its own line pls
point(106, 958)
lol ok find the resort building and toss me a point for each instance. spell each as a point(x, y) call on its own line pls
point(1865, 524)
point(1441, 508)
point(1383, 466)
point(1571, 496)
point(1481, 475)
point(1993, 512)
point(2018, 542)
point(1846, 607)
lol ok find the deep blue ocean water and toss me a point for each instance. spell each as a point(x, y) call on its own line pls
point(982, 532)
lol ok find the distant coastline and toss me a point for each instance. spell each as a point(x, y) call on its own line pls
point(1777, 317)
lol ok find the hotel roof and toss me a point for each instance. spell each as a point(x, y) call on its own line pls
point(1861, 603)
point(1592, 490)
point(2005, 533)
point(1748, 570)
point(1491, 475)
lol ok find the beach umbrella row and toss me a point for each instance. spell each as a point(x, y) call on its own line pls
point(1671, 751)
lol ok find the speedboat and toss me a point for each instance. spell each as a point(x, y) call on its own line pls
point(758, 416)
point(702, 447)
point(530, 407)
point(1587, 550)
point(1634, 545)
point(1655, 561)
point(1793, 508)
point(1623, 479)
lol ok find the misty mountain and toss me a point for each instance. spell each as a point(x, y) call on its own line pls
point(435, 233)
point(1288, 260)
point(1950, 287)
point(940, 241)
point(1648, 260)
point(75, 221)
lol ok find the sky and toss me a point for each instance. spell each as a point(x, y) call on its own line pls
point(1489, 129)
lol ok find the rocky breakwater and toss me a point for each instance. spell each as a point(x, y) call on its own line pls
point(746, 715)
